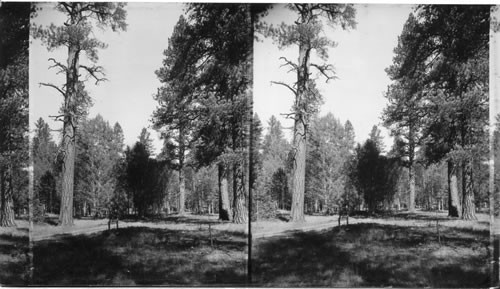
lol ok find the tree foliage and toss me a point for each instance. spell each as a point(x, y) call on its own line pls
point(177, 112)
point(376, 176)
point(99, 149)
point(224, 40)
point(440, 91)
point(329, 148)
point(14, 73)
point(45, 168)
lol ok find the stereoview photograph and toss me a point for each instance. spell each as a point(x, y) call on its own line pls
point(238, 144)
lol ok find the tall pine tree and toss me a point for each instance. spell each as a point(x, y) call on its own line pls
point(307, 35)
point(75, 34)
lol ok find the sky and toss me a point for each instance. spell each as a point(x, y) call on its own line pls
point(360, 58)
point(129, 61)
point(132, 57)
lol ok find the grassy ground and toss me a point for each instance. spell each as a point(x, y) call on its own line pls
point(374, 254)
point(144, 256)
point(401, 250)
point(13, 254)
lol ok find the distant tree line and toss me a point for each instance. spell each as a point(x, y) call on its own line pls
point(112, 178)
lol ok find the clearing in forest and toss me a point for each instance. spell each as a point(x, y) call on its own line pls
point(403, 251)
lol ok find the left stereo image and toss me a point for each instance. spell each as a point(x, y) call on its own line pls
point(139, 124)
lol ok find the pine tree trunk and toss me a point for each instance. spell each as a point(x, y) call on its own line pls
point(51, 206)
point(240, 214)
point(68, 169)
point(282, 199)
point(182, 182)
point(182, 192)
point(6, 203)
point(299, 133)
point(454, 209)
point(224, 206)
point(411, 175)
point(469, 208)
point(298, 171)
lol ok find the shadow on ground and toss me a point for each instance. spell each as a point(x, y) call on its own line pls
point(13, 258)
point(142, 256)
point(366, 255)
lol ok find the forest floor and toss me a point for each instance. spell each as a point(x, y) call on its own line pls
point(400, 250)
point(188, 250)
point(14, 247)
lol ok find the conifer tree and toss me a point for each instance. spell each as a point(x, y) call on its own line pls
point(75, 34)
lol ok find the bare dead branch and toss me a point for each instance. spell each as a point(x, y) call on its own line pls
point(59, 117)
point(286, 85)
point(55, 87)
point(290, 115)
point(94, 71)
point(62, 67)
point(325, 69)
point(294, 66)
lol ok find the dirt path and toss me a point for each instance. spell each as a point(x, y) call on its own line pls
point(261, 229)
point(86, 227)
point(304, 227)
point(266, 229)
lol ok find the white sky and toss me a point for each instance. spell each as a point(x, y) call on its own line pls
point(130, 61)
point(359, 59)
point(132, 57)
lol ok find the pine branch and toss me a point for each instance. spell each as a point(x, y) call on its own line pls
point(55, 87)
point(285, 85)
point(65, 5)
point(93, 71)
point(290, 115)
point(61, 66)
point(58, 117)
point(294, 66)
point(325, 69)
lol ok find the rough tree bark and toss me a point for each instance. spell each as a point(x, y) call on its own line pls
point(454, 208)
point(68, 142)
point(240, 214)
point(68, 169)
point(224, 206)
point(167, 207)
point(411, 167)
point(182, 181)
point(182, 192)
point(411, 173)
point(299, 136)
point(6, 202)
point(468, 208)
